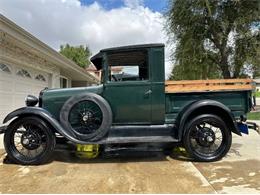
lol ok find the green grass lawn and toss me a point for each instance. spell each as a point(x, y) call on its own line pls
point(253, 116)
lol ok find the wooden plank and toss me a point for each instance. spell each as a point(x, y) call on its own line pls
point(207, 88)
point(208, 85)
point(213, 81)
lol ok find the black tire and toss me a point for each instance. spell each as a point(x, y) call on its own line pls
point(38, 136)
point(206, 137)
point(72, 108)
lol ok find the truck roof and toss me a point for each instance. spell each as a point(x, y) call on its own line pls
point(97, 59)
point(130, 47)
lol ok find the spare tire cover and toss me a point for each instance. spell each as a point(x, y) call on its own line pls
point(88, 116)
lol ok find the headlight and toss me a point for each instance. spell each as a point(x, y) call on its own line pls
point(31, 100)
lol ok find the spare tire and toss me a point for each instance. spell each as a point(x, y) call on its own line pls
point(88, 116)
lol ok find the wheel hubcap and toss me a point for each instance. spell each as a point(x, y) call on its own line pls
point(25, 141)
point(209, 139)
point(29, 140)
point(206, 138)
point(85, 117)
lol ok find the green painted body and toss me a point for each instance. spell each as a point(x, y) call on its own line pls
point(131, 101)
point(236, 101)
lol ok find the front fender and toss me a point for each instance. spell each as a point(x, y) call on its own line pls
point(45, 115)
point(202, 104)
point(25, 111)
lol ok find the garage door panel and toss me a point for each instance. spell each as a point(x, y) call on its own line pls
point(39, 87)
point(6, 101)
point(14, 89)
point(19, 100)
point(35, 93)
point(6, 84)
point(22, 87)
point(6, 105)
point(3, 114)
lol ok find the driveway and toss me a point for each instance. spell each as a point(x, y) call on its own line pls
point(239, 172)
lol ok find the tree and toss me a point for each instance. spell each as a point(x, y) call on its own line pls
point(214, 38)
point(79, 54)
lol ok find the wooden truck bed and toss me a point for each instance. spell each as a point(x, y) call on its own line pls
point(185, 86)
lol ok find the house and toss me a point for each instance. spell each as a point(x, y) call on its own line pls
point(98, 73)
point(28, 65)
point(93, 71)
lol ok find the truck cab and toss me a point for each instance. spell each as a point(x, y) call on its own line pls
point(139, 86)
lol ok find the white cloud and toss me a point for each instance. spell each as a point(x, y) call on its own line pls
point(57, 22)
point(133, 3)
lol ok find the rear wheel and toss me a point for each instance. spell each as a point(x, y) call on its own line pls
point(207, 138)
point(29, 141)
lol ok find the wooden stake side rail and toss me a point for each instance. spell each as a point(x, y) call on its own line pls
point(208, 85)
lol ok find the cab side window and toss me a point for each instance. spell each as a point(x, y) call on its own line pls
point(128, 66)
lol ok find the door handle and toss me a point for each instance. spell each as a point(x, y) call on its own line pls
point(148, 92)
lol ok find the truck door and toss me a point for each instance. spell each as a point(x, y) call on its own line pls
point(128, 88)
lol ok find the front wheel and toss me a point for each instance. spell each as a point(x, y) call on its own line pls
point(207, 138)
point(29, 141)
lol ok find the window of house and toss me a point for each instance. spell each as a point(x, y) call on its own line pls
point(40, 77)
point(63, 82)
point(24, 73)
point(5, 68)
point(128, 66)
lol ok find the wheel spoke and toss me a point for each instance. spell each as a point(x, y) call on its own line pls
point(29, 140)
point(88, 118)
point(206, 138)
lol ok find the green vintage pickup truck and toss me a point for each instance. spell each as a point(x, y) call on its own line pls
point(133, 104)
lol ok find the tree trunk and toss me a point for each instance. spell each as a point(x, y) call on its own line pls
point(224, 67)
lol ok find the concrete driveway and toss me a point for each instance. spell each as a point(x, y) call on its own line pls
point(239, 172)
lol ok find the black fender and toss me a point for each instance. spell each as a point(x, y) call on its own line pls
point(203, 104)
point(45, 115)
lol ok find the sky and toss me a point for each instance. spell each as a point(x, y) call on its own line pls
point(154, 5)
point(96, 23)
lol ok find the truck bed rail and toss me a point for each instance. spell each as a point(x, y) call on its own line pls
point(185, 86)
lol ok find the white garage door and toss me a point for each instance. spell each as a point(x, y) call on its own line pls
point(16, 83)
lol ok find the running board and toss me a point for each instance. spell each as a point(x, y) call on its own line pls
point(145, 139)
point(141, 130)
point(137, 134)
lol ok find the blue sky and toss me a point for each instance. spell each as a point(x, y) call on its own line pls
point(154, 5)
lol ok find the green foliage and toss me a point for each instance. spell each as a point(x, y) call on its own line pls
point(257, 94)
point(214, 39)
point(79, 54)
point(253, 116)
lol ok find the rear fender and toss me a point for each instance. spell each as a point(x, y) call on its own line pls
point(204, 105)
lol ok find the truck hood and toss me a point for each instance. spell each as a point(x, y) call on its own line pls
point(53, 99)
point(74, 91)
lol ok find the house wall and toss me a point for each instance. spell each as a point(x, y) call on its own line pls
point(13, 53)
